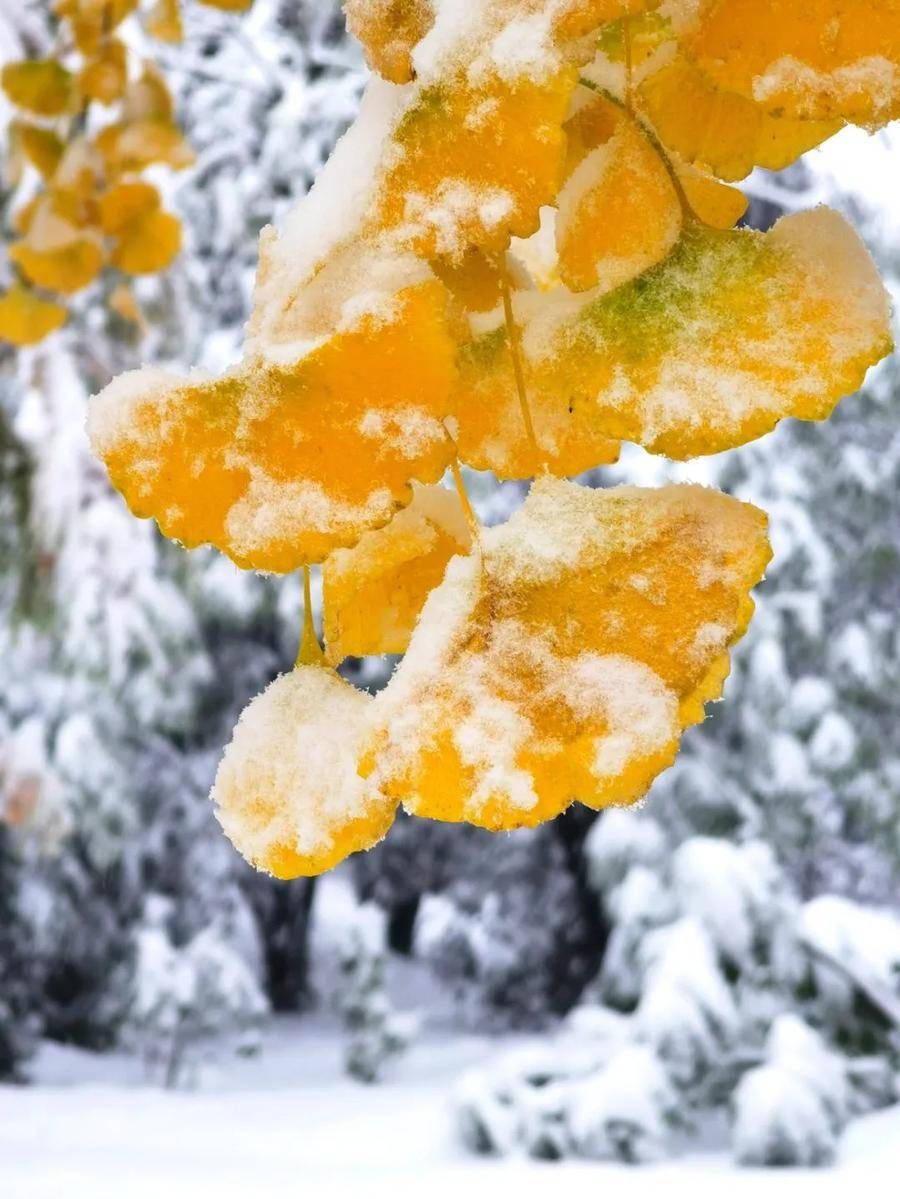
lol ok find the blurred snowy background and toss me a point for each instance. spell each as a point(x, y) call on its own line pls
point(704, 987)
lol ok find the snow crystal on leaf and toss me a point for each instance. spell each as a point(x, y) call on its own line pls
point(710, 349)
point(287, 792)
point(815, 60)
point(276, 465)
point(537, 676)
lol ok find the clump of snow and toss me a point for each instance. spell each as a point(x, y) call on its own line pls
point(864, 938)
point(834, 744)
point(790, 1111)
point(620, 839)
point(736, 892)
point(624, 1112)
point(789, 80)
point(288, 780)
point(686, 1010)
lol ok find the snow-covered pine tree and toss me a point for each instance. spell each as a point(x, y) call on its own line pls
point(18, 989)
point(728, 965)
point(374, 1032)
point(127, 655)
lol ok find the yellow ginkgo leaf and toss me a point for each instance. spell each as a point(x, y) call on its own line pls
point(732, 333)
point(228, 5)
point(716, 204)
point(41, 86)
point(476, 145)
point(122, 301)
point(286, 458)
point(127, 147)
point(56, 253)
point(42, 147)
point(619, 211)
point(67, 269)
point(374, 592)
point(73, 207)
point(287, 793)
point(164, 21)
point(125, 202)
point(93, 20)
point(564, 662)
point(148, 244)
point(79, 170)
point(819, 60)
point(389, 31)
point(103, 77)
point(22, 218)
point(721, 132)
point(470, 167)
point(148, 98)
point(25, 318)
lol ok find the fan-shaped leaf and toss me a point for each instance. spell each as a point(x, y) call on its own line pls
point(280, 462)
point(565, 662)
point(710, 349)
point(25, 318)
point(374, 592)
point(287, 793)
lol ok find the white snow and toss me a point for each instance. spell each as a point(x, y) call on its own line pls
point(287, 1123)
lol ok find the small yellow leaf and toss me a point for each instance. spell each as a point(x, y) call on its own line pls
point(42, 147)
point(80, 169)
point(66, 270)
point(148, 98)
point(716, 204)
point(93, 20)
point(148, 244)
point(374, 592)
point(286, 792)
point(123, 303)
point(103, 78)
point(283, 460)
point(722, 132)
point(56, 254)
point(25, 318)
point(619, 212)
point(41, 86)
point(132, 147)
point(163, 21)
point(389, 32)
point(124, 202)
point(819, 60)
point(563, 662)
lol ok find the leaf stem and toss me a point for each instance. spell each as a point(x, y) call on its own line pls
point(471, 518)
point(515, 351)
point(310, 653)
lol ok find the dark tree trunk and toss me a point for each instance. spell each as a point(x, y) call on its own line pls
point(401, 924)
point(285, 911)
point(571, 829)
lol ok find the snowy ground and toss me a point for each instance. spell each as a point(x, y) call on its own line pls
point(287, 1123)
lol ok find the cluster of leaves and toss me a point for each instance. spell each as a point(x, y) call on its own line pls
point(520, 256)
point(93, 212)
